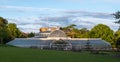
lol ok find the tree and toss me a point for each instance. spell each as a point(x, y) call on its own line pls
point(117, 39)
point(8, 36)
point(31, 34)
point(12, 28)
point(73, 32)
point(15, 32)
point(70, 30)
point(8, 31)
point(84, 33)
point(118, 44)
point(5, 35)
point(102, 31)
point(117, 33)
point(3, 23)
point(117, 17)
point(71, 26)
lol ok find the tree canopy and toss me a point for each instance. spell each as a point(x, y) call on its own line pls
point(117, 38)
point(12, 28)
point(3, 31)
point(31, 34)
point(102, 31)
point(117, 17)
point(15, 32)
point(8, 31)
point(117, 33)
point(73, 32)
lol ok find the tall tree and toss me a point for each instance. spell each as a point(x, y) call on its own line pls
point(3, 23)
point(117, 39)
point(8, 31)
point(117, 17)
point(102, 31)
point(15, 32)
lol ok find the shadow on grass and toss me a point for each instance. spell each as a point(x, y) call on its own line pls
point(5, 45)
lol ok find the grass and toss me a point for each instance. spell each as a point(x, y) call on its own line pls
point(14, 54)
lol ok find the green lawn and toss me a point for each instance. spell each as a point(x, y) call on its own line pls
point(13, 54)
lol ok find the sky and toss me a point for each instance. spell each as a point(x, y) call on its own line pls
point(31, 15)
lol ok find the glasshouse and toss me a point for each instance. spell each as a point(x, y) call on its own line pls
point(57, 39)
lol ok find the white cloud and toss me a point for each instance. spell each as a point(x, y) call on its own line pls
point(84, 19)
point(34, 23)
point(89, 14)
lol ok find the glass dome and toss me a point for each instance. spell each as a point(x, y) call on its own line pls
point(57, 33)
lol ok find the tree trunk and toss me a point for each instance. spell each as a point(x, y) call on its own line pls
point(1, 41)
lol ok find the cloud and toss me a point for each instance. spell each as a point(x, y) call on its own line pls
point(57, 17)
point(34, 23)
point(22, 11)
point(88, 14)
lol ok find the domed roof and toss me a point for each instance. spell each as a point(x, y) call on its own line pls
point(57, 33)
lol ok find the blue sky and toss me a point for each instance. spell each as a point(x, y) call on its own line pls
point(30, 15)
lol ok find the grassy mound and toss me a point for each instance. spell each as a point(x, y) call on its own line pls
point(13, 54)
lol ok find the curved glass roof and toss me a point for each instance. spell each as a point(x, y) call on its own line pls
point(57, 33)
point(29, 42)
point(97, 44)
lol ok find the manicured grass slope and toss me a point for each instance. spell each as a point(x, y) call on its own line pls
point(13, 54)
